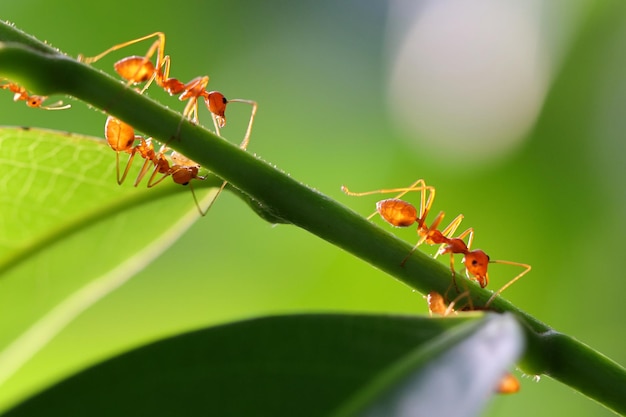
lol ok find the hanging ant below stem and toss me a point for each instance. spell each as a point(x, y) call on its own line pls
point(20, 94)
point(508, 384)
point(139, 69)
point(121, 138)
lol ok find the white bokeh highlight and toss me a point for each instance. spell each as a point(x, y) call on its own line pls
point(467, 77)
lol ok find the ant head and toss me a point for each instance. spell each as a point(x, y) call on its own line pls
point(397, 212)
point(182, 175)
point(476, 263)
point(216, 103)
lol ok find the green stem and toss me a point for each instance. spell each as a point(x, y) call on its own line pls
point(284, 199)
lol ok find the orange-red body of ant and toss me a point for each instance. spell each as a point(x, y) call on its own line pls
point(138, 69)
point(20, 94)
point(400, 213)
point(508, 384)
point(121, 138)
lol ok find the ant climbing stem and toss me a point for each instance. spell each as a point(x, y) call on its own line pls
point(136, 69)
point(403, 214)
point(527, 269)
point(20, 94)
point(400, 213)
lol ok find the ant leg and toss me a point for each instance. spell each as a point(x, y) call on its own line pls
point(57, 105)
point(121, 179)
point(158, 45)
point(124, 65)
point(511, 282)
point(423, 238)
point(448, 232)
point(161, 165)
point(190, 112)
point(418, 185)
point(470, 240)
point(213, 198)
point(216, 123)
point(152, 182)
point(246, 139)
point(243, 145)
point(143, 171)
point(450, 308)
point(456, 287)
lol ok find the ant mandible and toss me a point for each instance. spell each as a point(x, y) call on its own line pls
point(20, 94)
point(137, 69)
point(400, 213)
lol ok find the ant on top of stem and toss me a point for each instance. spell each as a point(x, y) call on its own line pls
point(20, 94)
point(400, 213)
point(138, 69)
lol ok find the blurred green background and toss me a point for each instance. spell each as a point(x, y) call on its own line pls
point(513, 112)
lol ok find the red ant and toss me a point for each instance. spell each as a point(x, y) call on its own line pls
point(121, 137)
point(400, 213)
point(437, 303)
point(20, 94)
point(508, 384)
point(137, 69)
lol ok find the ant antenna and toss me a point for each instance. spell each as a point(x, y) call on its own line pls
point(527, 269)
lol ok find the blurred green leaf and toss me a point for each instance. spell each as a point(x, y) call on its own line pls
point(592, 377)
point(454, 374)
point(61, 205)
point(302, 365)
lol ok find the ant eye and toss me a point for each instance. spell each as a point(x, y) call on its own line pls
point(474, 262)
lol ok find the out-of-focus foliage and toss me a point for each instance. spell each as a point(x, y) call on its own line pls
point(323, 74)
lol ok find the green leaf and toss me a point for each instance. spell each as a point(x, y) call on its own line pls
point(61, 205)
point(280, 197)
point(452, 375)
point(303, 365)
